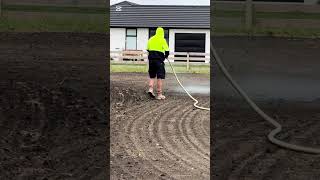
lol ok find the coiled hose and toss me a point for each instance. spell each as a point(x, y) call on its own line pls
point(273, 133)
point(194, 99)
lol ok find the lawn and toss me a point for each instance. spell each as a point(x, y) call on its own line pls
point(143, 68)
point(221, 28)
point(55, 9)
point(268, 15)
point(54, 23)
point(270, 31)
point(26, 18)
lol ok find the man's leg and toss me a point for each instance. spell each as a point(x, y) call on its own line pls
point(159, 86)
point(150, 91)
point(152, 76)
point(151, 84)
point(160, 96)
point(160, 79)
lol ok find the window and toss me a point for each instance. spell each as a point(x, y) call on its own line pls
point(131, 39)
point(152, 32)
point(190, 42)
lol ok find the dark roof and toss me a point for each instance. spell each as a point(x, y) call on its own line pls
point(126, 3)
point(173, 16)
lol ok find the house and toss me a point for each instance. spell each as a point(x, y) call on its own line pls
point(187, 28)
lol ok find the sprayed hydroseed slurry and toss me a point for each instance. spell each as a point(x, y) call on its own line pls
point(241, 147)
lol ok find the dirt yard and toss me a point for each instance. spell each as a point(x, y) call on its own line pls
point(153, 139)
point(52, 106)
point(282, 76)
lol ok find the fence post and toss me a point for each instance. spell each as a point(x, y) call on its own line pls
point(0, 8)
point(249, 15)
point(172, 60)
point(120, 55)
point(188, 60)
point(207, 61)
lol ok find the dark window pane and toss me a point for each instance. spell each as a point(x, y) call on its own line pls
point(190, 42)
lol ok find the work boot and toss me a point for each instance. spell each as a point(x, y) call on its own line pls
point(161, 97)
point(151, 94)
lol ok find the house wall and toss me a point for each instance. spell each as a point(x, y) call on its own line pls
point(117, 39)
point(172, 37)
point(142, 38)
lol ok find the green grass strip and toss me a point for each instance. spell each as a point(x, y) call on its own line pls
point(268, 15)
point(272, 32)
point(54, 23)
point(143, 68)
point(288, 15)
point(61, 9)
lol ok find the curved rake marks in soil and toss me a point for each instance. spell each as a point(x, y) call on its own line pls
point(155, 137)
point(130, 139)
point(262, 164)
point(197, 130)
point(176, 150)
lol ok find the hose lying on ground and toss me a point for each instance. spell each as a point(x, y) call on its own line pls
point(278, 128)
point(194, 99)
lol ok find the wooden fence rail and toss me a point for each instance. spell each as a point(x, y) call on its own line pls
point(174, 56)
point(142, 56)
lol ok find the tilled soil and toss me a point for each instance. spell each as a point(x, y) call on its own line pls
point(52, 106)
point(242, 150)
point(281, 75)
point(153, 139)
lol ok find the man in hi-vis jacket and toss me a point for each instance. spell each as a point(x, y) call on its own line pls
point(158, 51)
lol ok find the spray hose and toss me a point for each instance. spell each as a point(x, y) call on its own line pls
point(273, 133)
point(194, 99)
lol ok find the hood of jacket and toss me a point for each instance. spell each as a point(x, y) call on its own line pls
point(159, 32)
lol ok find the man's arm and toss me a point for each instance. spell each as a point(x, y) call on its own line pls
point(166, 49)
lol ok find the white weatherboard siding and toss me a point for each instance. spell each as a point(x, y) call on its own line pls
point(173, 31)
point(117, 39)
point(142, 38)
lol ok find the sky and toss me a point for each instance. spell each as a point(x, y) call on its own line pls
point(166, 2)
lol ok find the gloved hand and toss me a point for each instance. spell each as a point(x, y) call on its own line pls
point(166, 54)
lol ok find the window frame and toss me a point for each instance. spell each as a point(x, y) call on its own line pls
point(136, 36)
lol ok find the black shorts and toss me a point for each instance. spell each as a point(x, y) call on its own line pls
point(157, 69)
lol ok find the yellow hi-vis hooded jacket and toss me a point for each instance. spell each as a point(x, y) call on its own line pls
point(157, 46)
